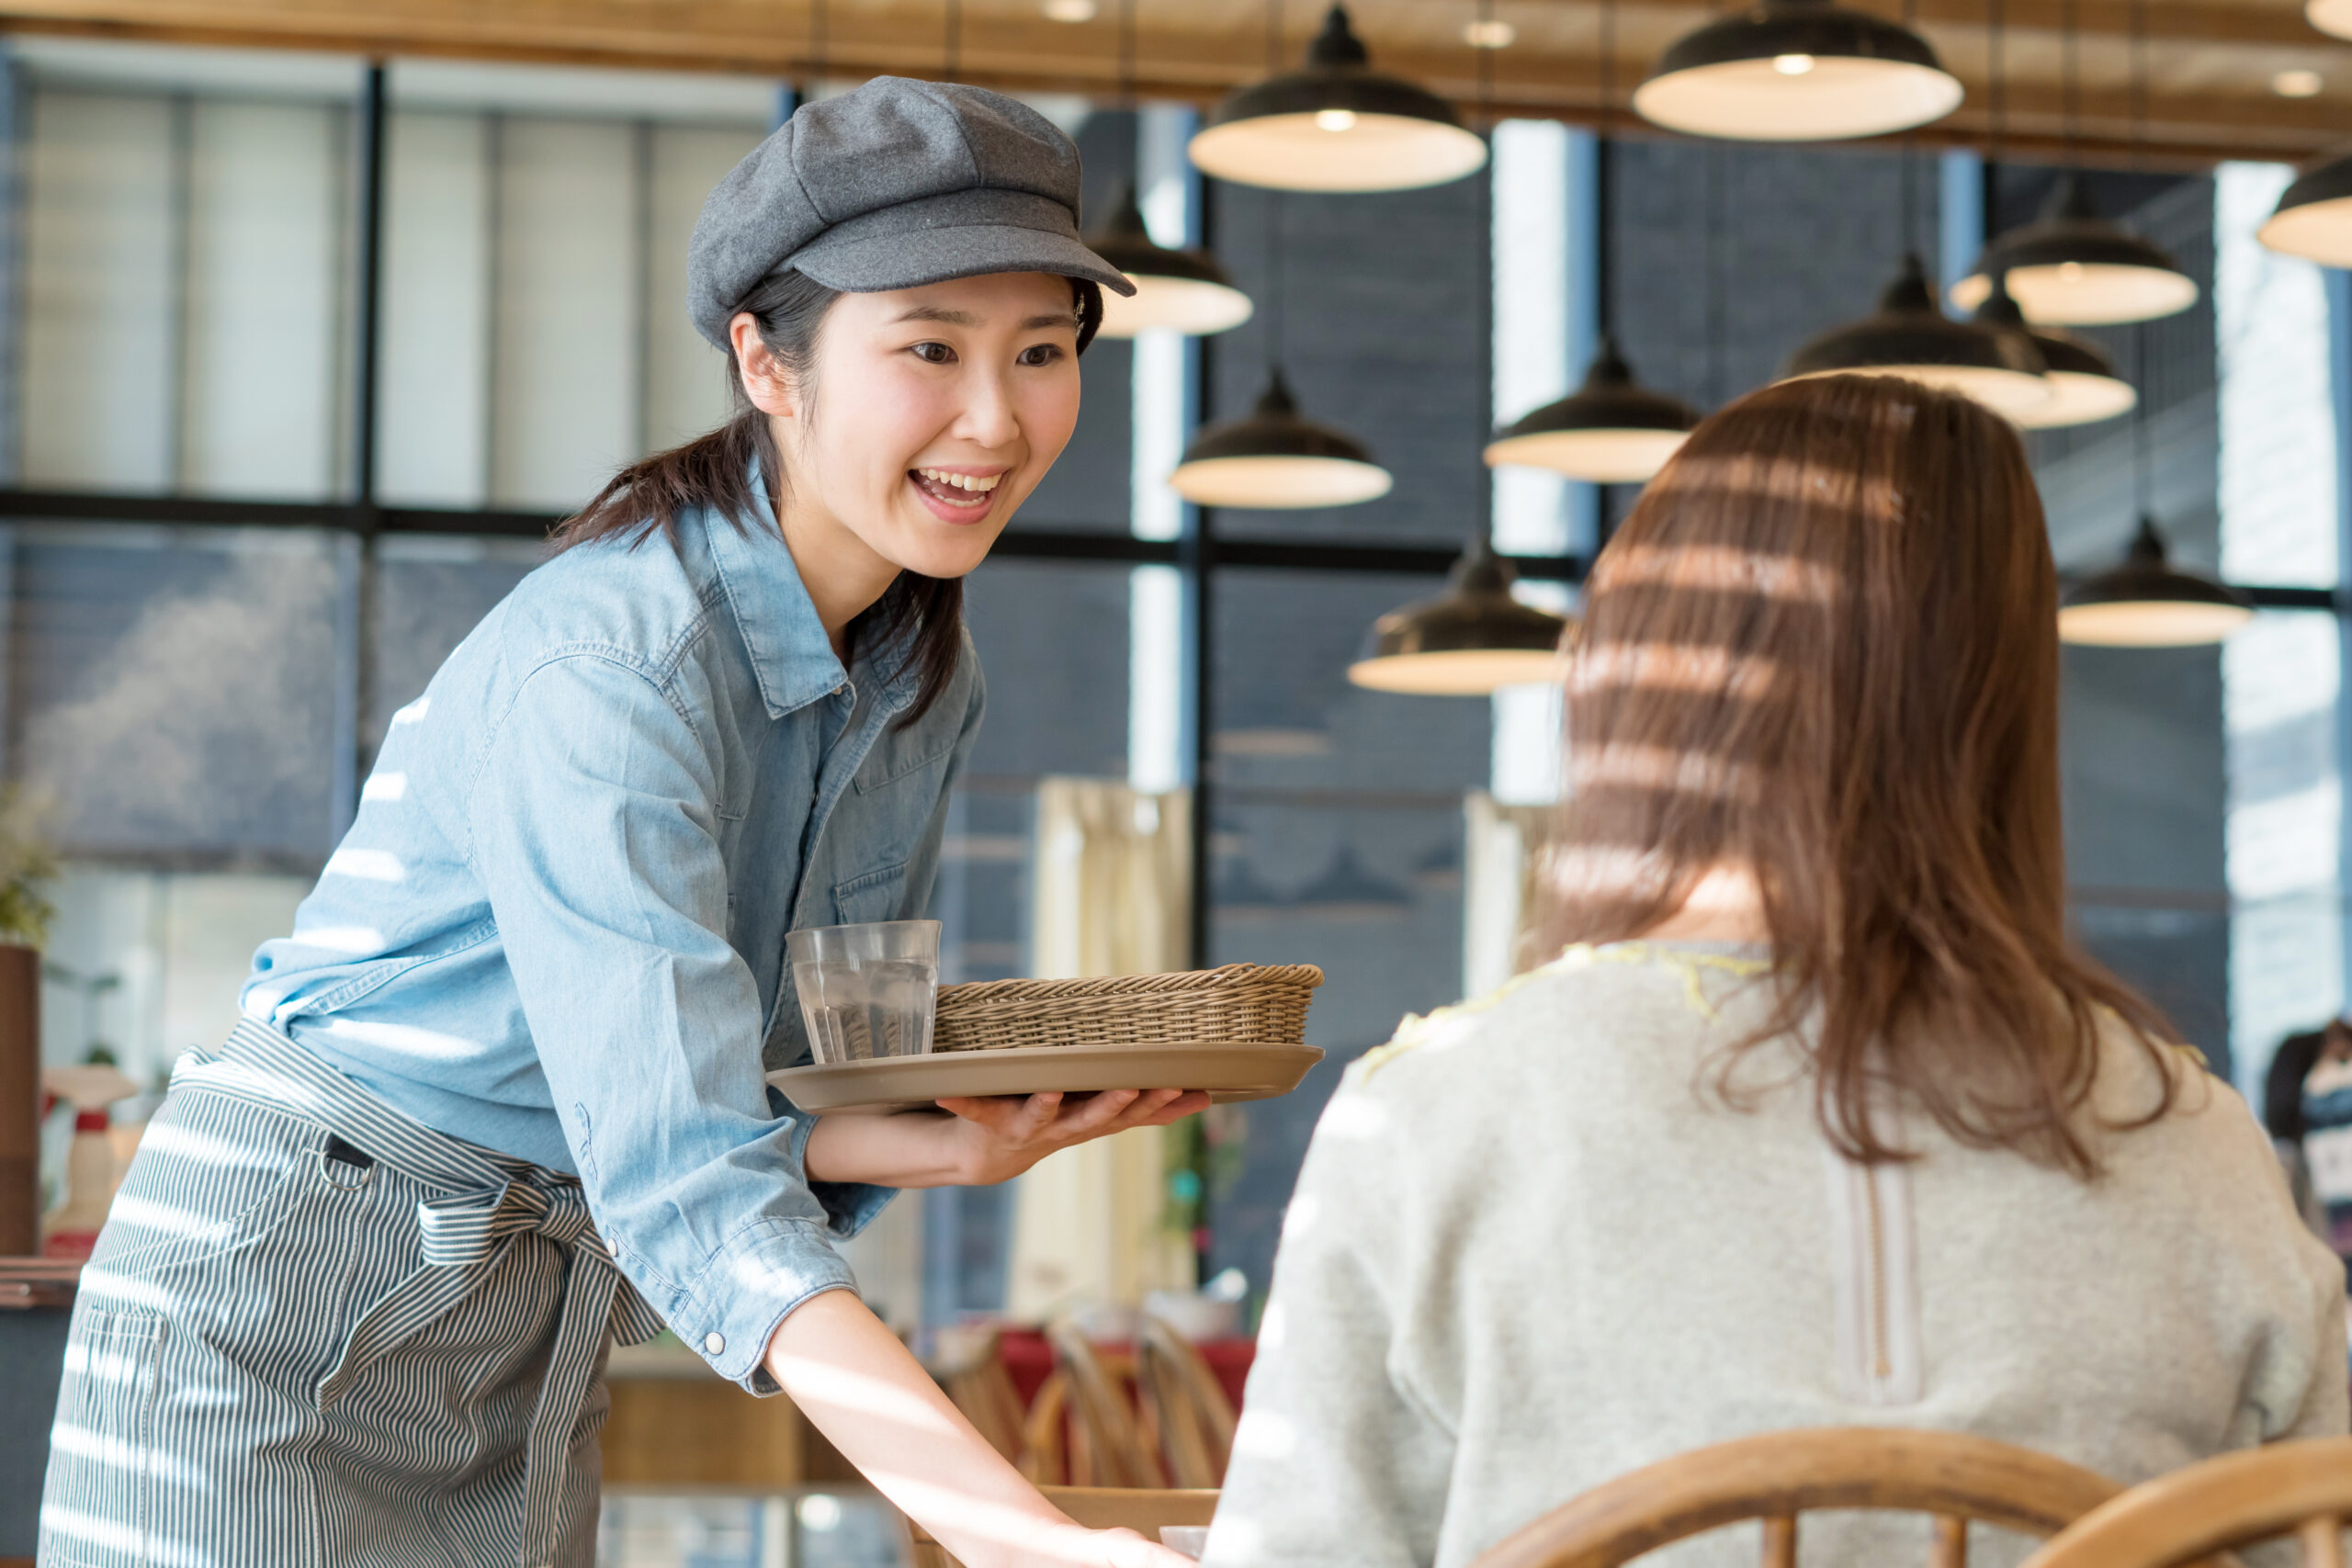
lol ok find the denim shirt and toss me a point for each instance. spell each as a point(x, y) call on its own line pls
point(556, 927)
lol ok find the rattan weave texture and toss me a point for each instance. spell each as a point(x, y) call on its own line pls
point(1241, 1004)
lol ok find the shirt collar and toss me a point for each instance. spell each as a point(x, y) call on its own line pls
point(791, 657)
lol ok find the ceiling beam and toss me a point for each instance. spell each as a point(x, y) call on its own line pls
point(2210, 60)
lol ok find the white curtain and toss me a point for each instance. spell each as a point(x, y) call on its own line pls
point(1110, 893)
point(1499, 888)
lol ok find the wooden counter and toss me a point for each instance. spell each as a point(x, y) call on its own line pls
point(675, 1423)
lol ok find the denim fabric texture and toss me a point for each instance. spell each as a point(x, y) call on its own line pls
point(556, 927)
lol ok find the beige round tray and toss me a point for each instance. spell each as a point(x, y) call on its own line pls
point(1227, 1072)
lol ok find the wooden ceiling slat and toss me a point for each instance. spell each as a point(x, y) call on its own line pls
point(2210, 61)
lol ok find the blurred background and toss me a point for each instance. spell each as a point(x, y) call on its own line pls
point(302, 353)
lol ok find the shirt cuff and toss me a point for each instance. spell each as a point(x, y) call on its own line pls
point(759, 1279)
point(850, 1206)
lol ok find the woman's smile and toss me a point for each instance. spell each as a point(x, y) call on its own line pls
point(960, 495)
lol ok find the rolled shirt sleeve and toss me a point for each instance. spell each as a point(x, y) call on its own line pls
point(593, 826)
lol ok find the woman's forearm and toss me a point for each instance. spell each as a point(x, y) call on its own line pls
point(913, 1149)
point(870, 1398)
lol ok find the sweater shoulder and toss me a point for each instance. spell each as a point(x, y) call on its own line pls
point(1577, 1014)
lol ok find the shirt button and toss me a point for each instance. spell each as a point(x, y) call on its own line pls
point(714, 1342)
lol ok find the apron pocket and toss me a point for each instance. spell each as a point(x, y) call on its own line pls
point(96, 1512)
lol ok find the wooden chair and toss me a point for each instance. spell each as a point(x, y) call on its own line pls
point(1044, 1434)
point(1776, 1476)
point(982, 1388)
point(1141, 1509)
point(2302, 1489)
point(1186, 1406)
point(1106, 1442)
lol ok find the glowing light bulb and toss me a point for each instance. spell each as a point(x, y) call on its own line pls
point(1792, 64)
point(1068, 10)
point(1489, 34)
point(2070, 271)
point(1335, 119)
point(2297, 84)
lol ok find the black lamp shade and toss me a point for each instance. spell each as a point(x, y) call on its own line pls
point(2083, 386)
point(2073, 268)
point(1184, 291)
point(2313, 218)
point(1797, 70)
point(1276, 459)
point(1612, 430)
point(2145, 602)
point(1470, 640)
point(1909, 337)
point(1337, 125)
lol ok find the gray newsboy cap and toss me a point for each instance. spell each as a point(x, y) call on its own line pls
point(895, 185)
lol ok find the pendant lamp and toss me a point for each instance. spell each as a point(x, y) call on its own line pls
point(2313, 218)
point(1475, 637)
point(1797, 70)
point(1336, 125)
point(1612, 430)
point(1275, 458)
point(2084, 386)
point(1468, 641)
point(2145, 602)
point(2330, 16)
point(1183, 291)
point(1909, 337)
point(2074, 267)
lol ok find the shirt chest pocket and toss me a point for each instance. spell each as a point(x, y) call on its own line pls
point(871, 895)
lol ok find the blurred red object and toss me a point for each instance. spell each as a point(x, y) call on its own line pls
point(1030, 1359)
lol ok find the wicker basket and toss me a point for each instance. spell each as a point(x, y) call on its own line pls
point(1240, 1004)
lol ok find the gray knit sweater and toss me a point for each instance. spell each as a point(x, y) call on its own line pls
point(1531, 1250)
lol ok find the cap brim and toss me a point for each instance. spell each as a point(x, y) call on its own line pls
point(870, 264)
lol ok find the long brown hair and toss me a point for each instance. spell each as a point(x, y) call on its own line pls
point(1823, 646)
point(923, 617)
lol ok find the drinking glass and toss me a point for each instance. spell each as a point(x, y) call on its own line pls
point(866, 991)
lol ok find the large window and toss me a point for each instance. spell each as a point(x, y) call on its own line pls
point(210, 616)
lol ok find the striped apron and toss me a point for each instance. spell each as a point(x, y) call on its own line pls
point(318, 1333)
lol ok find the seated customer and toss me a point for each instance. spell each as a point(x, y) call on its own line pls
point(1816, 1117)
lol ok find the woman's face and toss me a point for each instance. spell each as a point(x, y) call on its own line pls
point(933, 414)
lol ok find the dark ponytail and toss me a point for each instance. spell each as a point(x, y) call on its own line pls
point(921, 615)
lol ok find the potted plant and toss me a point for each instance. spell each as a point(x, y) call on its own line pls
point(27, 863)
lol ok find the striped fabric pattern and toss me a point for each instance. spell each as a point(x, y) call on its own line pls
point(284, 1353)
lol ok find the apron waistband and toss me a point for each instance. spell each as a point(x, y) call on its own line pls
point(482, 1201)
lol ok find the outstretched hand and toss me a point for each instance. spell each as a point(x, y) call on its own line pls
point(1001, 1137)
point(980, 1142)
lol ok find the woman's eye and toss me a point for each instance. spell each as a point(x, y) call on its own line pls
point(1042, 354)
point(934, 354)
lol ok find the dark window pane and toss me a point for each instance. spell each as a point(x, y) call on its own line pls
point(1379, 336)
point(175, 691)
point(1337, 842)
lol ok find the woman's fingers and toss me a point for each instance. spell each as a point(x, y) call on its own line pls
point(1052, 1121)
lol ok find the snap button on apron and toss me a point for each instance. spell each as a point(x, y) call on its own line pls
point(714, 1343)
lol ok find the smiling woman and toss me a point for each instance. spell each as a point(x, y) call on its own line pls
point(501, 1093)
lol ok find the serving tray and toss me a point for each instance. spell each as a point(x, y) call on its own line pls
point(1227, 1072)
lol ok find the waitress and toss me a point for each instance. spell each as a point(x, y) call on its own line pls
point(497, 1102)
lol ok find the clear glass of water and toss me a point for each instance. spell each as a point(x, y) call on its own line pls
point(866, 991)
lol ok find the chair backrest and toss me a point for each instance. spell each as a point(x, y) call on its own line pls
point(981, 1386)
point(2300, 1489)
point(1045, 1433)
point(1187, 1406)
point(1106, 1446)
point(1139, 1509)
point(1777, 1476)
